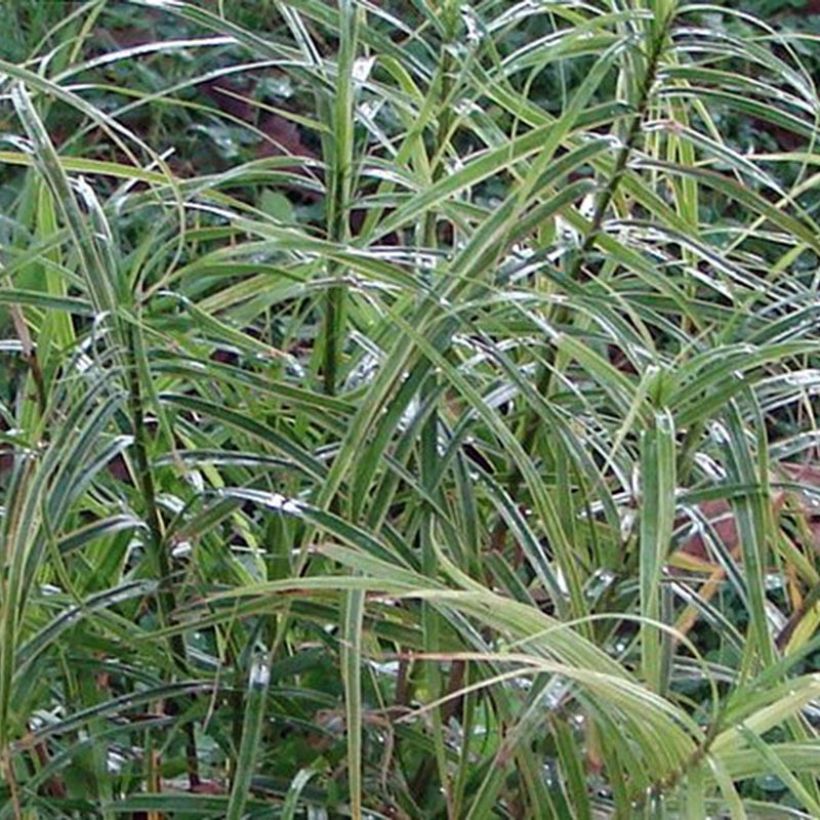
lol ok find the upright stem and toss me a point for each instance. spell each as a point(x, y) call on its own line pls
point(156, 538)
point(429, 448)
point(340, 173)
point(544, 373)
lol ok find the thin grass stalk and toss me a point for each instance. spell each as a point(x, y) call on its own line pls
point(340, 176)
point(530, 425)
point(429, 443)
point(157, 548)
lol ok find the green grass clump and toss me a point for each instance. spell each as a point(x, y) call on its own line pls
point(408, 410)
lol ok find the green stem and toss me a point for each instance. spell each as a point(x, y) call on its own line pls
point(544, 373)
point(156, 539)
point(429, 465)
point(339, 190)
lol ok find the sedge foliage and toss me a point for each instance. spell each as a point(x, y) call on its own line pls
point(354, 483)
